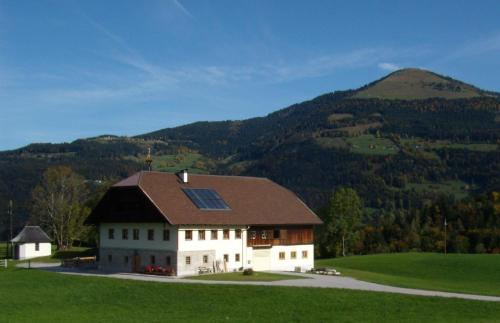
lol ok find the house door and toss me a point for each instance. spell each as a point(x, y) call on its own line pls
point(136, 263)
point(16, 251)
point(261, 259)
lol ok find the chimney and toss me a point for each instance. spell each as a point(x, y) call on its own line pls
point(183, 175)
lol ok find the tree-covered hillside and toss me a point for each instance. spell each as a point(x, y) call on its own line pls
point(398, 154)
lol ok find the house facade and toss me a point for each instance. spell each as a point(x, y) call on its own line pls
point(187, 222)
point(31, 242)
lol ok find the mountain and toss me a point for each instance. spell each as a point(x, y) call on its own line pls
point(417, 84)
point(397, 153)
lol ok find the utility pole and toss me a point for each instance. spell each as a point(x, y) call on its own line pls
point(9, 252)
point(445, 225)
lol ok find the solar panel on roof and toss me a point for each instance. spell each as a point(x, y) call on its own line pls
point(206, 198)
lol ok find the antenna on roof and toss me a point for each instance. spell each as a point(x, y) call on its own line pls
point(149, 159)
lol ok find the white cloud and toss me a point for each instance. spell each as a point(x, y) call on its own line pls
point(388, 66)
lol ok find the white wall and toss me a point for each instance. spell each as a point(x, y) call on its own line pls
point(27, 250)
point(221, 246)
point(289, 264)
point(143, 243)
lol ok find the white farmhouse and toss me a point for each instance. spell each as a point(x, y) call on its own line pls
point(31, 242)
point(198, 222)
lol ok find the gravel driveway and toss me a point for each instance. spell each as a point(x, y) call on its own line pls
point(318, 281)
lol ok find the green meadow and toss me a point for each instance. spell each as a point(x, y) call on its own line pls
point(30, 295)
point(462, 273)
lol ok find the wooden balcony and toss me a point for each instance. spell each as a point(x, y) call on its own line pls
point(279, 236)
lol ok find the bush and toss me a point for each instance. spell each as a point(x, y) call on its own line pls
point(248, 272)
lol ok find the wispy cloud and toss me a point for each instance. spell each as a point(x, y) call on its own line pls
point(183, 9)
point(476, 47)
point(144, 79)
point(139, 77)
point(388, 66)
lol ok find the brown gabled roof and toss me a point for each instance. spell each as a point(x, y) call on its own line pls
point(252, 200)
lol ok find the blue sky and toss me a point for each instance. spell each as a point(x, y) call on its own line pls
point(73, 69)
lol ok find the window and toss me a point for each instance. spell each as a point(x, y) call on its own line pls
point(276, 234)
point(189, 235)
point(282, 255)
point(201, 235)
point(225, 234)
point(237, 257)
point(125, 234)
point(188, 260)
point(136, 234)
point(304, 254)
point(110, 258)
point(214, 234)
point(168, 260)
point(205, 259)
point(125, 260)
point(151, 234)
point(111, 233)
point(226, 258)
point(253, 235)
point(166, 235)
point(153, 260)
point(37, 246)
point(293, 255)
point(263, 235)
point(237, 233)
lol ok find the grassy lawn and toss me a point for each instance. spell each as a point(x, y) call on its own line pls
point(462, 273)
point(370, 145)
point(58, 255)
point(238, 276)
point(39, 296)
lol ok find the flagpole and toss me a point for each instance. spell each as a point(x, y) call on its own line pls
point(445, 225)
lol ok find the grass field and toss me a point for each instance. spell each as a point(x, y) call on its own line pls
point(463, 273)
point(422, 144)
point(3, 249)
point(238, 276)
point(370, 145)
point(39, 296)
point(456, 188)
point(175, 163)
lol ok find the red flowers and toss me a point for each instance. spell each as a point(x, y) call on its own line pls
point(159, 270)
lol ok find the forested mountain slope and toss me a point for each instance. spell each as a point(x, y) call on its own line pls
point(400, 142)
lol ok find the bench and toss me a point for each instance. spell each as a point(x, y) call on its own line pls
point(76, 262)
point(326, 271)
point(204, 270)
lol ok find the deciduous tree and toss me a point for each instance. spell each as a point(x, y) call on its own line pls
point(58, 204)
